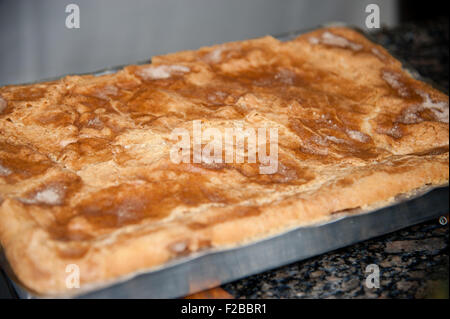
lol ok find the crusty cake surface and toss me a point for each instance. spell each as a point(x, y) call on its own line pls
point(86, 178)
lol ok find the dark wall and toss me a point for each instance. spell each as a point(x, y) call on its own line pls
point(412, 10)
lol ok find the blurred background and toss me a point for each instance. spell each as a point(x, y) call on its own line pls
point(35, 43)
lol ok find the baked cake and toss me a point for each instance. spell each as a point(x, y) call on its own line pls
point(86, 176)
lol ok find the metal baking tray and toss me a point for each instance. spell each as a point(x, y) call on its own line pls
point(212, 268)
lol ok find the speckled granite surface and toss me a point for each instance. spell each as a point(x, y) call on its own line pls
point(413, 262)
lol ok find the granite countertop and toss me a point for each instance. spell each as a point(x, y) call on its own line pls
point(413, 262)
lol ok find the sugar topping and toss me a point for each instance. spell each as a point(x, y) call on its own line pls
point(215, 55)
point(411, 115)
point(95, 122)
point(319, 140)
point(217, 97)
point(439, 109)
point(52, 195)
point(394, 131)
point(285, 76)
point(354, 135)
point(317, 147)
point(64, 143)
point(378, 54)
point(4, 171)
point(106, 91)
point(357, 136)
point(313, 40)
point(179, 246)
point(3, 104)
point(220, 52)
point(329, 38)
point(336, 140)
point(393, 79)
point(162, 71)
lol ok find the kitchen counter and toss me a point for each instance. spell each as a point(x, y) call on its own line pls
point(413, 262)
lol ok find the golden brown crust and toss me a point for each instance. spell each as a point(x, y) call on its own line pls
point(86, 178)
